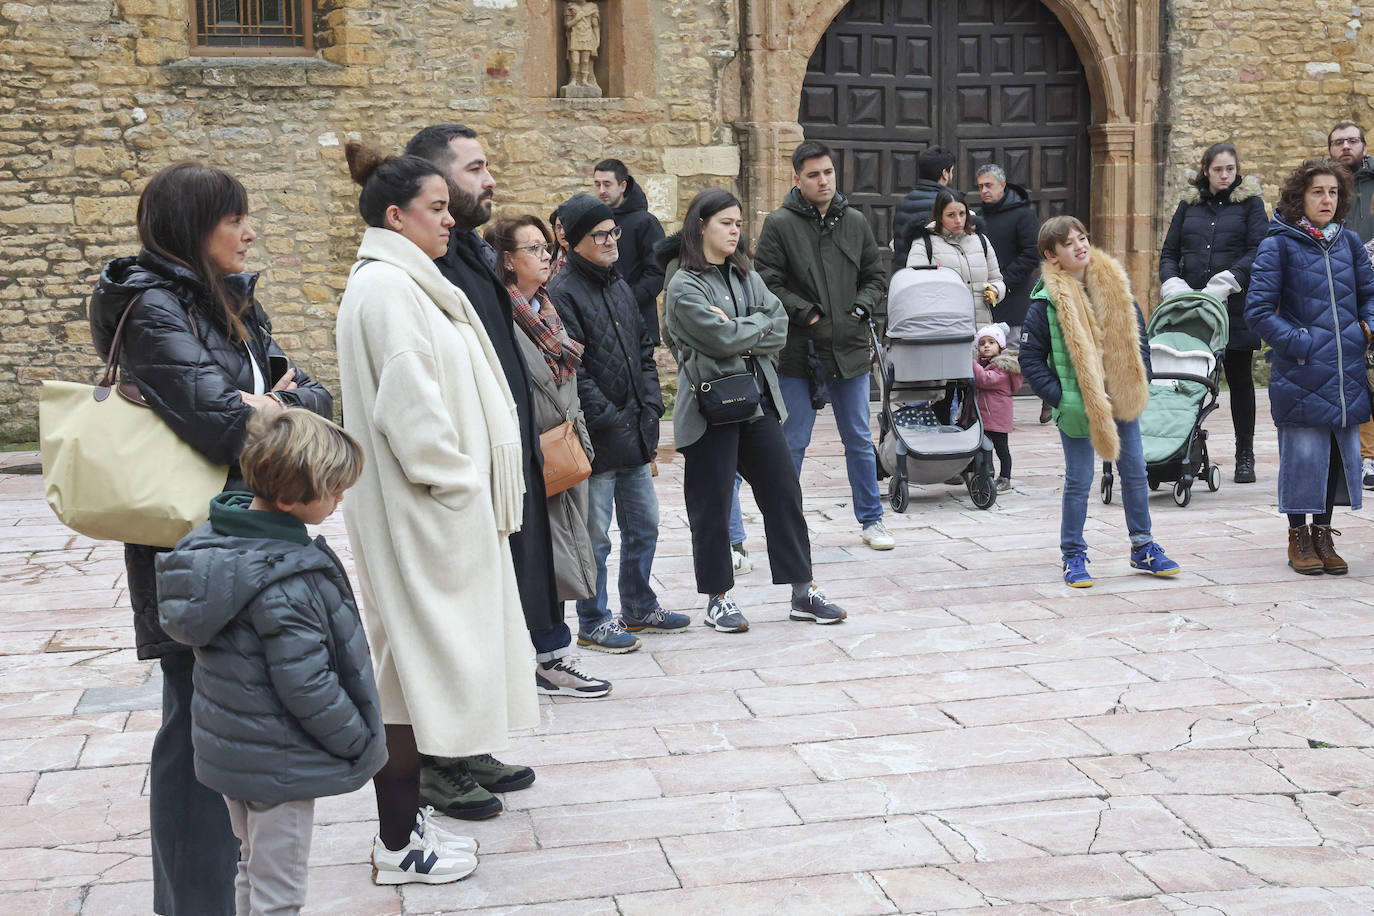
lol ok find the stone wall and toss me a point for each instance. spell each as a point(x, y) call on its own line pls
point(100, 94)
point(1271, 76)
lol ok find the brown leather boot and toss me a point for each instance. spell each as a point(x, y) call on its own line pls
point(1326, 551)
point(1301, 554)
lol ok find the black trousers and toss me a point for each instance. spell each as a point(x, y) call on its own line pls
point(1003, 451)
point(759, 452)
point(1239, 379)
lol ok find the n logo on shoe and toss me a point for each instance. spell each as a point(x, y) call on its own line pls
point(421, 863)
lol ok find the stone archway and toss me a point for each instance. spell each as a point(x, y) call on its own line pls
point(1117, 42)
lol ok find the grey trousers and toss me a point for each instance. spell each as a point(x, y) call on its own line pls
point(274, 852)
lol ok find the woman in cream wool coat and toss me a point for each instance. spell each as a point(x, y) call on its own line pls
point(441, 491)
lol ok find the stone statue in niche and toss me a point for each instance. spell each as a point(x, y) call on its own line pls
point(582, 20)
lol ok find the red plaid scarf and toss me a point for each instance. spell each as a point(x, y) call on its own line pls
point(561, 352)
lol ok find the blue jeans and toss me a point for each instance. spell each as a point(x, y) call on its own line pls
point(1079, 462)
point(849, 400)
point(737, 534)
point(551, 643)
point(631, 491)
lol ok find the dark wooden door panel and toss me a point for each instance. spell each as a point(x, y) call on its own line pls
point(991, 80)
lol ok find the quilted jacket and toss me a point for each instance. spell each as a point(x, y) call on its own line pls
point(191, 379)
point(913, 212)
point(1306, 299)
point(1211, 233)
point(618, 380)
point(285, 706)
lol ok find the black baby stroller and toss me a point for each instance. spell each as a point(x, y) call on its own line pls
point(1188, 335)
point(933, 430)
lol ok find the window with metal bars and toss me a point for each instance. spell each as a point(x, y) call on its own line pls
point(253, 27)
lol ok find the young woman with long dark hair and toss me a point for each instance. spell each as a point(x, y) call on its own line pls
point(725, 322)
point(200, 350)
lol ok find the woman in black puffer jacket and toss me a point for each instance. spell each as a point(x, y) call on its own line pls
point(1211, 243)
point(200, 350)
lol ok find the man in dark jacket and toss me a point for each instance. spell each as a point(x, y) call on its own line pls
point(463, 787)
point(1345, 143)
point(1011, 225)
point(819, 257)
point(934, 171)
point(617, 384)
point(640, 232)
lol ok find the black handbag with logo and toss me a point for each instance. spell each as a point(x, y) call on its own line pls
point(728, 399)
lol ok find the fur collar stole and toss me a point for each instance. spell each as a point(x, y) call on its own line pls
point(1098, 321)
point(1249, 187)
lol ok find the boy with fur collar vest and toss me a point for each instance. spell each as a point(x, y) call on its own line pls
point(1083, 350)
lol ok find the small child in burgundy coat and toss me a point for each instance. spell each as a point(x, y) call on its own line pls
point(998, 376)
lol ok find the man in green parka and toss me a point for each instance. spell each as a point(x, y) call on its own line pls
point(820, 258)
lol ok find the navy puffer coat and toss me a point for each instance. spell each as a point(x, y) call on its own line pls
point(1306, 299)
point(285, 705)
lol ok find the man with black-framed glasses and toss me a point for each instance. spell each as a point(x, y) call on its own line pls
point(617, 384)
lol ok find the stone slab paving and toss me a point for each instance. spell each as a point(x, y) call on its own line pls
point(976, 737)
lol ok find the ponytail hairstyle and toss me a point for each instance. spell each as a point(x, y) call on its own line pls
point(705, 205)
point(1212, 152)
point(386, 180)
point(943, 199)
point(177, 212)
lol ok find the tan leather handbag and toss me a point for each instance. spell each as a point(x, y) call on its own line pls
point(565, 461)
point(113, 470)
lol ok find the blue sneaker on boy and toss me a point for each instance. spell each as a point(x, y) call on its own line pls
point(1151, 559)
point(1076, 571)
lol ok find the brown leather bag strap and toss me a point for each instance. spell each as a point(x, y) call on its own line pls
point(107, 380)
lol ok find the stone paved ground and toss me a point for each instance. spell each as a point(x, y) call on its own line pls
point(976, 736)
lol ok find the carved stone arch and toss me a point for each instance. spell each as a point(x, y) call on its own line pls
point(1117, 41)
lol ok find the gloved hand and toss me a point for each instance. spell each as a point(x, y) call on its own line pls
point(1222, 285)
point(1174, 286)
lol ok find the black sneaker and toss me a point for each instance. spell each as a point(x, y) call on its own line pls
point(724, 615)
point(816, 608)
point(495, 776)
point(450, 788)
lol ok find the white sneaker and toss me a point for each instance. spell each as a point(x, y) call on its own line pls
point(422, 861)
point(740, 556)
point(1367, 472)
point(426, 825)
point(878, 537)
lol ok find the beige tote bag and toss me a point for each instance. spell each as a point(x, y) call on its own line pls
point(113, 470)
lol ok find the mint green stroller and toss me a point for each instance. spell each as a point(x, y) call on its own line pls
point(1188, 334)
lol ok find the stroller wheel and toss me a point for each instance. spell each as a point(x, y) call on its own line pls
point(900, 496)
point(1154, 484)
point(982, 489)
point(1214, 478)
point(1107, 490)
point(1183, 492)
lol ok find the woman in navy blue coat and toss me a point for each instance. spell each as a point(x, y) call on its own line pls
point(1312, 298)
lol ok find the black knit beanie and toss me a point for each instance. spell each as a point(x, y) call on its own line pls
point(580, 214)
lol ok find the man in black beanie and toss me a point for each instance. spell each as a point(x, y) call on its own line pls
point(618, 386)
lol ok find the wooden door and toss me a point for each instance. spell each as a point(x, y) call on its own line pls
point(990, 80)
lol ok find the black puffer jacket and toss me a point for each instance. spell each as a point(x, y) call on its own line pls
point(640, 232)
point(1211, 233)
point(285, 705)
point(1011, 225)
point(618, 380)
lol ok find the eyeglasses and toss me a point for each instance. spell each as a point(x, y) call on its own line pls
point(537, 250)
point(601, 238)
point(1345, 141)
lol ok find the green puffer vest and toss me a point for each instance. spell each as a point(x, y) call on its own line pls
point(1070, 416)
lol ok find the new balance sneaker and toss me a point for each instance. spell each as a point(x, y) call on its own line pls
point(1003, 484)
point(422, 861)
point(656, 621)
point(449, 787)
point(878, 537)
point(1076, 571)
point(609, 636)
point(816, 608)
point(1151, 559)
point(724, 615)
point(426, 825)
point(1367, 472)
point(740, 558)
point(495, 776)
point(559, 678)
